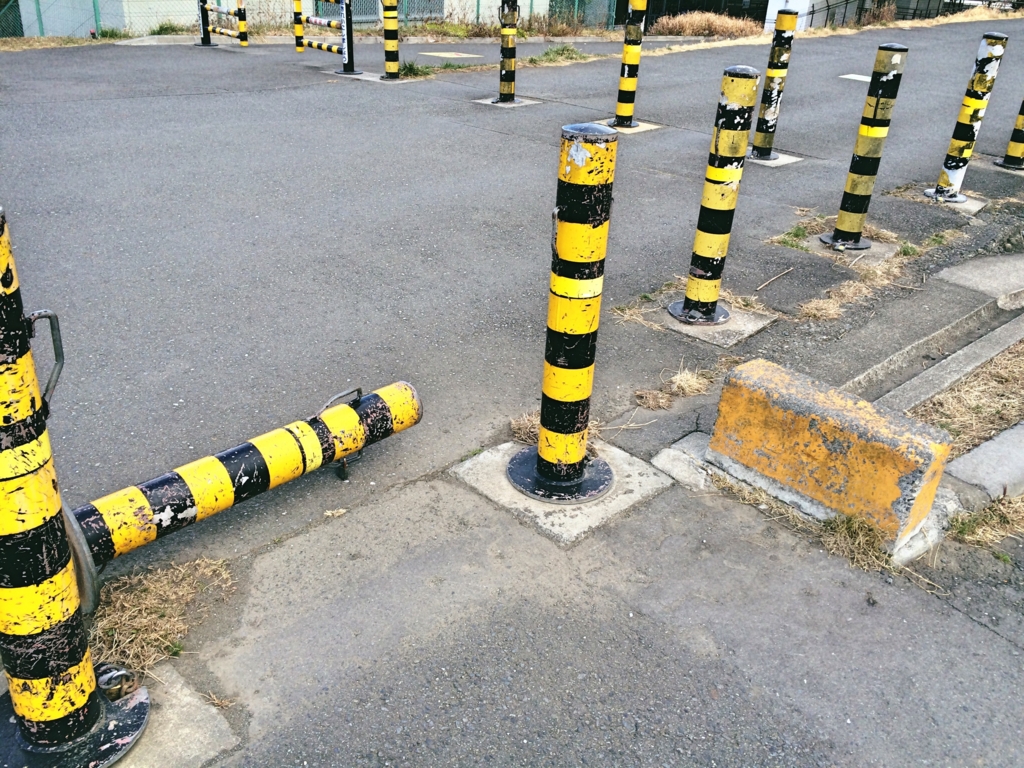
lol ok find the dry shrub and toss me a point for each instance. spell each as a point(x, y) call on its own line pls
point(705, 24)
point(687, 383)
point(653, 399)
point(883, 13)
point(1001, 518)
point(831, 308)
point(142, 618)
point(981, 406)
point(854, 538)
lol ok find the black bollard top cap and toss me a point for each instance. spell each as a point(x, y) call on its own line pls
point(739, 70)
point(893, 47)
point(995, 36)
point(589, 132)
point(788, 12)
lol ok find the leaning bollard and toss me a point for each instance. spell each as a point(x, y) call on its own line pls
point(204, 27)
point(630, 71)
point(718, 202)
point(509, 14)
point(558, 469)
point(390, 40)
point(968, 123)
point(137, 515)
point(1014, 159)
point(53, 714)
point(867, 153)
point(774, 83)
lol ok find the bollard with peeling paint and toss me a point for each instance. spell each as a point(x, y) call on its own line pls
point(241, 34)
point(204, 27)
point(390, 40)
point(558, 469)
point(630, 71)
point(137, 515)
point(774, 83)
point(297, 24)
point(968, 122)
point(867, 152)
point(718, 201)
point(53, 713)
point(1014, 159)
point(509, 14)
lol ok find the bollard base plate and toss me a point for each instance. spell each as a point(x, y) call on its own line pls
point(844, 245)
point(597, 480)
point(500, 100)
point(1007, 166)
point(944, 198)
point(613, 123)
point(117, 729)
point(343, 72)
point(205, 45)
point(771, 156)
point(695, 318)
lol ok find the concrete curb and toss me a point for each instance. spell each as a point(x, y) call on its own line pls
point(996, 467)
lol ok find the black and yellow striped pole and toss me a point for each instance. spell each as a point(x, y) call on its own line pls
point(390, 40)
point(558, 469)
point(630, 71)
point(867, 152)
point(1014, 159)
point(718, 201)
point(53, 713)
point(241, 34)
point(300, 45)
point(243, 25)
point(509, 14)
point(137, 515)
point(774, 84)
point(204, 27)
point(968, 122)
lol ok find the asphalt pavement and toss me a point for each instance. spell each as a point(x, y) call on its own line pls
point(230, 237)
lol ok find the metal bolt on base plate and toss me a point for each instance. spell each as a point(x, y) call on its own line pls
point(943, 198)
point(116, 730)
point(844, 245)
point(597, 480)
point(693, 317)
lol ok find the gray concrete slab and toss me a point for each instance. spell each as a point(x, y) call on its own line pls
point(1001, 277)
point(954, 368)
point(740, 326)
point(996, 466)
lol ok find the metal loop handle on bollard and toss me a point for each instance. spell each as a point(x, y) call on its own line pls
point(86, 574)
point(355, 401)
point(58, 349)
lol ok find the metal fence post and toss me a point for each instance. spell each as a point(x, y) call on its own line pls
point(558, 469)
point(867, 153)
point(390, 40)
point(96, 17)
point(774, 83)
point(53, 713)
point(630, 71)
point(1014, 159)
point(509, 14)
point(968, 123)
point(718, 201)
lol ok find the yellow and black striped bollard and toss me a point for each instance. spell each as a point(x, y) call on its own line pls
point(243, 25)
point(137, 515)
point(774, 84)
point(626, 102)
point(297, 23)
point(867, 152)
point(968, 123)
point(204, 27)
point(509, 13)
point(390, 40)
point(53, 713)
point(718, 201)
point(1014, 159)
point(558, 468)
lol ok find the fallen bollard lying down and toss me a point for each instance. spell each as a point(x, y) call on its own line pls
point(135, 516)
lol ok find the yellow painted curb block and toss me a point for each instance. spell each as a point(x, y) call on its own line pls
point(827, 452)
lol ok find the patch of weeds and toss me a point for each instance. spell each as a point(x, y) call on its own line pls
point(450, 65)
point(989, 526)
point(981, 406)
point(908, 250)
point(933, 241)
point(171, 28)
point(634, 313)
point(857, 540)
point(793, 238)
point(114, 34)
point(653, 399)
point(831, 307)
point(142, 618)
point(471, 454)
point(1002, 557)
point(411, 69)
point(687, 383)
point(558, 54)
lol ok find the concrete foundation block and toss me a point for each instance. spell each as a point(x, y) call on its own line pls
point(827, 452)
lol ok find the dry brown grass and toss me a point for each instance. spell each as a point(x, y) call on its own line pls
point(687, 383)
point(882, 14)
point(636, 313)
point(705, 24)
point(746, 303)
point(1000, 519)
point(142, 618)
point(653, 399)
point(8, 44)
point(981, 406)
point(526, 429)
point(831, 308)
